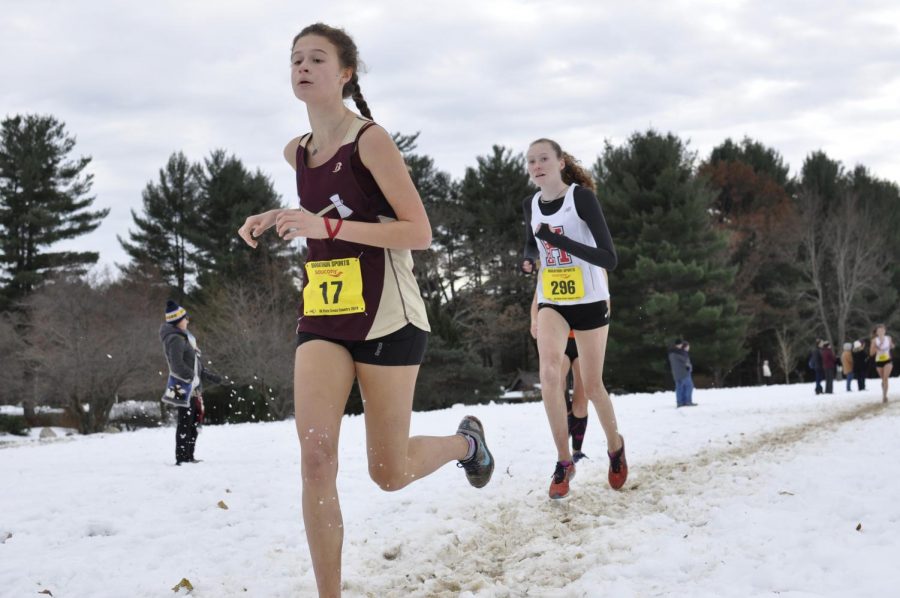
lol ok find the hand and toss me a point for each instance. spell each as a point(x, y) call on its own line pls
point(256, 225)
point(527, 266)
point(291, 224)
point(542, 232)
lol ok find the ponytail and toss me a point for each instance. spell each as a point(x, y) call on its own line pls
point(572, 172)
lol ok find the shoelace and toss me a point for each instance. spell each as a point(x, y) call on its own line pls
point(615, 463)
point(560, 473)
point(471, 466)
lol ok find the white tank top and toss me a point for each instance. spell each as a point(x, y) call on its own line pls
point(883, 349)
point(558, 267)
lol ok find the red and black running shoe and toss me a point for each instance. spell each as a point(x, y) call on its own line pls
point(559, 484)
point(618, 467)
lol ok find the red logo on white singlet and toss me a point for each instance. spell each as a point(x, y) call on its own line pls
point(555, 255)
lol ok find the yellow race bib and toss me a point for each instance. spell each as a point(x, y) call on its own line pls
point(562, 284)
point(334, 288)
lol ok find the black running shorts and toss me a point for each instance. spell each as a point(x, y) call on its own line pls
point(584, 316)
point(403, 347)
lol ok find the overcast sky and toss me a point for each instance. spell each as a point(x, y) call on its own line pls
point(136, 81)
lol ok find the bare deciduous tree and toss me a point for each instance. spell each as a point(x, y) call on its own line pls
point(843, 256)
point(859, 257)
point(12, 359)
point(91, 341)
point(250, 328)
point(790, 343)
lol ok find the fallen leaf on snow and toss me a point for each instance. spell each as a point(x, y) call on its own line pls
point(221, 504)
point(786, 493)
point(859, 527)
point(48, 592)
point(184, 583)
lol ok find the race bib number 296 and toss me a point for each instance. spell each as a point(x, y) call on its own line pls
point(334, 288)
point(562, 284)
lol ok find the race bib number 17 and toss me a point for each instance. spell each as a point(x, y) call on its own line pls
point(334, 288)
point(562, 284)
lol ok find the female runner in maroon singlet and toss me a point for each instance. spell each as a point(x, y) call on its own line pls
point(362, 316)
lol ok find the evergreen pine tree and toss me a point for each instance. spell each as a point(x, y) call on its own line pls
point(170, 219)
point(43, 199)
point(672, 279)
point(228, 193)
point(438, 268)
point(492, 233)
point(491, 200)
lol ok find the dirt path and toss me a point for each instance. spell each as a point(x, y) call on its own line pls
point(518, 549)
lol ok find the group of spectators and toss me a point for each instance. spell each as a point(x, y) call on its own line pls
point(856, 360)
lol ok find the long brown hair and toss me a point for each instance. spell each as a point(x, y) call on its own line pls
point(348, 56)
point(572, 171)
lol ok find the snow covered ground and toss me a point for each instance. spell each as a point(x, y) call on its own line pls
point(757, 492)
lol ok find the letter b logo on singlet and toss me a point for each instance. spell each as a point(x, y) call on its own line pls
point(555, 255)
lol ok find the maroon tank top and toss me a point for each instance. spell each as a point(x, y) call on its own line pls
point(346, 189)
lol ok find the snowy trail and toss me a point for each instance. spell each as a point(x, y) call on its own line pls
point(757, 492)
point(518, 544)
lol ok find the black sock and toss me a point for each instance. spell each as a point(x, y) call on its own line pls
point(577, 428)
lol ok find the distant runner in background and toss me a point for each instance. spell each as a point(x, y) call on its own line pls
point(880, 349)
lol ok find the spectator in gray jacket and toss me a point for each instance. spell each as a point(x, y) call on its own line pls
point(186, 371)
point(680, 362)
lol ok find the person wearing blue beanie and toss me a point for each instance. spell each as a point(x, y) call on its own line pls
point(184, 388)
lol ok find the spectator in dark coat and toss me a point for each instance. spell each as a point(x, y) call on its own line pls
point(186, 373)
point(829, 363)
point(860, 363)
point(680, 363)
point(815, 364)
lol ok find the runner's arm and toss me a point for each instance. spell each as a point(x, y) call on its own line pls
point(530, 252)
point(588, 208)
point(411, 230)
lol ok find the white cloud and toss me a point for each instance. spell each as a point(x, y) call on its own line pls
point(136, 82)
